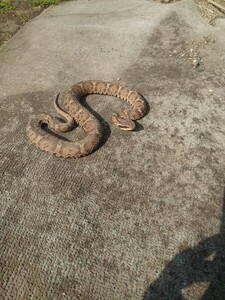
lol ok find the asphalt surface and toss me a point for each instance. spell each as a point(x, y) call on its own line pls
point(142, 217)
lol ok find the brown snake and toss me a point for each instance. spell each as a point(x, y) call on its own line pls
point(78, 113)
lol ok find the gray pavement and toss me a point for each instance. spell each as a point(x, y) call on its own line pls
point(142, 217)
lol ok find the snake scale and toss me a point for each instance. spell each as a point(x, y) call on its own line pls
point(76, 112)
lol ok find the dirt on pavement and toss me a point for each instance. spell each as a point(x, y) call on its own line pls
point(11, 21)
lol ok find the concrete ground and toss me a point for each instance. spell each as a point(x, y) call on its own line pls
point(142, 217)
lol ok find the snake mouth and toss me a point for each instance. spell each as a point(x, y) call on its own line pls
point(124, 127)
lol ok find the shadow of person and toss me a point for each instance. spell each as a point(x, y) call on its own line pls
point(203, 263)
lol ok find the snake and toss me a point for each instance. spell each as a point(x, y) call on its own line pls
point(76, 113)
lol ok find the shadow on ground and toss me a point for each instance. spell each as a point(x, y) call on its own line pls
point(204, 262)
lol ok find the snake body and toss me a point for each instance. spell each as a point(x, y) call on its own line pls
point(78, 113)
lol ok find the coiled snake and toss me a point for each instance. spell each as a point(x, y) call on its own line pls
point(78, 113)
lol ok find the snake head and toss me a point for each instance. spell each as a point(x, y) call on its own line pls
point(123, 121)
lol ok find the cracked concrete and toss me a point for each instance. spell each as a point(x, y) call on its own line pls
point(142, 217)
